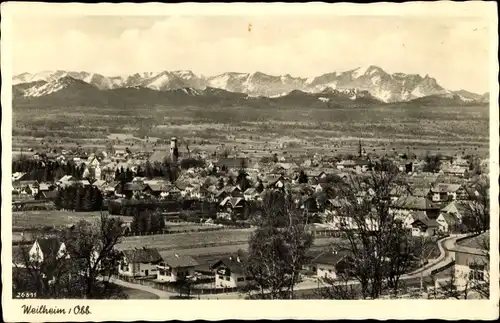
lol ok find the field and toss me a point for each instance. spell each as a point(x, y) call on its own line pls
point(255, 131)
point(38, 219)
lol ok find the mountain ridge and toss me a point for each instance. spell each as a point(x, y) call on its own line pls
point(71, 92)
point(381, 85)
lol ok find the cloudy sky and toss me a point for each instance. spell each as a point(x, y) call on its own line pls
point(453, 50)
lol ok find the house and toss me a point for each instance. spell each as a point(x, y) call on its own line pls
point(445, 192)
point(275, 181)
point(251, 194)
point(309, 204)
point(233, 204)
point(45, 187)
point(175, 267)
point(66, 180)
point(458, 209)
point(329, 264)
point(139, 262)
point(346, 164)
point(18, 176)
point(233, 191)
point(425, 227)
point(403, 206)
point(157, 189)
point(231, 271)
point(459, 171)
point(448, 222)
point(134, 188)
point(46, 249)
point(471, 267)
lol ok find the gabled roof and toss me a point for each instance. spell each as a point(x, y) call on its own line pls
point(476, 242)
point(178, 261)
point(144, 255)
point(415, 203)
point(450, 218)
point(445, 188)
point(134, 187)
point(427, 222)
point(158, 187)
point(455, 207)
point(235, 262)
point(329, 258)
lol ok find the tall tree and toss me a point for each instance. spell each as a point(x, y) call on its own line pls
point(303, 177)
point(92, 247)
point(374, 237)
point(432, 163)
point(278, 247)
point(477, 206)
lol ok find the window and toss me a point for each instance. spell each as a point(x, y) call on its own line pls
point(227, 278)
point(240, 279)
point(221, 277)
point(476, 272)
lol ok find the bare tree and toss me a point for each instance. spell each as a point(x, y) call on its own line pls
point(339, 288)
point(277, 249)
point(477, 206)
point(92, 248)
point(378, 245)
point(481, 285)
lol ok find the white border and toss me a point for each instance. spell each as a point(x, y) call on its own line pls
point(131, 310)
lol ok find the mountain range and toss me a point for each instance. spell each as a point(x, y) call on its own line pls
point(364, 85)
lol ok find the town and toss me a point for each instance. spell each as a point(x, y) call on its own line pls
point(184, 223)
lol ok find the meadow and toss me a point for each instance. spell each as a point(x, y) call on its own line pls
point(257, 131)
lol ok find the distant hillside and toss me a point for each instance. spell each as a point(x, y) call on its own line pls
point(381, 85)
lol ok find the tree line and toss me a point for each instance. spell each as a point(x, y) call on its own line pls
point(46, 171)
point(79, 198)
point(146, 220)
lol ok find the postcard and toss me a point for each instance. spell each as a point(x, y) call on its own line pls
point(249, 161)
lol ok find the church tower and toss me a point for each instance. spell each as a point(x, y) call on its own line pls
point(174, 152)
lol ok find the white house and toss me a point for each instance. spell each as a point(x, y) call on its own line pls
point(329, 264)
point(447, 222)
point(139, 262)
point(458, 209)
point(231, 271)
point(175, 267)
point(445, 192)
point(472, 262)
point(425, 227)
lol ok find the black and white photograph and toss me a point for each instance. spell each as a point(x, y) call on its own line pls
point(215, 155)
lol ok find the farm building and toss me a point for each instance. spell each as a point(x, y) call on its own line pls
point(231, 271)
point(175, 267)
point(139, 262)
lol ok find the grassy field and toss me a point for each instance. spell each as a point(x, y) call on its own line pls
point(255, 131)
point(38, 219)
point(178, 241)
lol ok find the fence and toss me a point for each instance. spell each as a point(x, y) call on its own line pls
point(169, 287)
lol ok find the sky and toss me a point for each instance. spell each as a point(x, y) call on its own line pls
point(453, 50)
